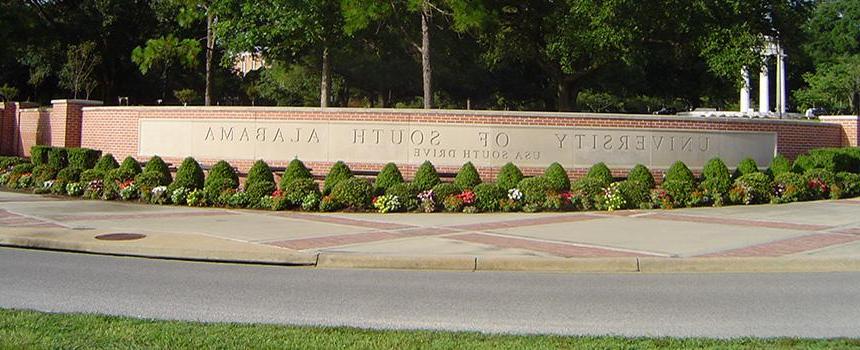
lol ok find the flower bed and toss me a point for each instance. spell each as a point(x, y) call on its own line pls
point(821, 174)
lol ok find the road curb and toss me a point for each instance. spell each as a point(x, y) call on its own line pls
point(746, 264)
point(454, 263)
point(493, 263)
point(287, 258)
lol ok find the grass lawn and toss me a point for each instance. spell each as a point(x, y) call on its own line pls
point(36, 330)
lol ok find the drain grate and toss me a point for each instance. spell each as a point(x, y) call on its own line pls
point(120, 236)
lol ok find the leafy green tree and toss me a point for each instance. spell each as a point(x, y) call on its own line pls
point(164, 54)
point(77, 74)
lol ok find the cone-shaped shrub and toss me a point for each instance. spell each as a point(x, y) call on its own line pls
point(106, 163)
point(353, 193)
point(131, 165)
point(295, 170)
point(426, 177)
point(259, 172)
point(467, 177)
point(338, 172)
point(389, 176)
point(189, 175)
point(157, 165)
point(557, 176)
point(600, 172)
point(680, 172)
point(746, 166)
point(258, 189)
point(83, 158)
point(222, 171)
point(641, 175)
point(509, 176)
point(717, 179)
point(779, 165)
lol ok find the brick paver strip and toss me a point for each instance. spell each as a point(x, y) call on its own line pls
point(334, 241)
point(559, 249)
point(8, 219)
point(158, 215)
point(526, 222)
point(346, 221)
point(848, 201)
point(788, 246)
point(736, 222)
point(848, 231)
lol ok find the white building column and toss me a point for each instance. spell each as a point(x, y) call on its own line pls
point(745, 91)
point(781, 84)
point(764, 89)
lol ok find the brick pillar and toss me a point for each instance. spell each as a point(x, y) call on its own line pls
point(7, 116)
point(66, 118)
point(850, 130)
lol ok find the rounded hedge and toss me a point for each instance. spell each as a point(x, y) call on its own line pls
point(467, 177)
point(426, 176)
point(824, 175)
point(636, 194)
point(509, 176)
point(718, 179)
point(589, 191)
point(642, 175)
point(259, 172)
point(779, 165)
point(680, 172)
point(189, 175)
point(407, 193)
point(557, 176)
point(295, 170)
point(338, 172)
point(681, 191)
point(148, 180)
point(157, 165)
point(601, 173)
point(488, 196)
point(389, 176)
point(296, 190)
point(850, 183)
point(755, 187)
point(444, 190)
point(745, 167)
point(258, 189)
point(216, 187)
point(790, 187)
point(222, 171)
point(130, 164)
point(106, 163)
point(353, 193)
point(535, 189)
point(83, 158)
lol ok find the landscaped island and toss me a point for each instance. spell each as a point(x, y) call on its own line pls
point(81, 172)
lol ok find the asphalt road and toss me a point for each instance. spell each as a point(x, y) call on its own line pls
point(711, 305)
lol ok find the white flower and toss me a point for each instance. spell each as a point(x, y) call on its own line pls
point(159, 190)
point(515, 194)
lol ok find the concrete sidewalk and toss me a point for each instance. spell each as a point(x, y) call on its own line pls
point(819, 236)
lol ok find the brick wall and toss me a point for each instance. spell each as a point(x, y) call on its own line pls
point(24, 125)
point(115, 129)
point(850, 131)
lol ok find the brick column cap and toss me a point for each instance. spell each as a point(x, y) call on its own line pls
point(826, 118)
point(78, 102)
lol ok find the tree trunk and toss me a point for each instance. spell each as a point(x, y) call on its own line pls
point(566, 93)
point(427, 71)
point(325, 82)
point(210, 47)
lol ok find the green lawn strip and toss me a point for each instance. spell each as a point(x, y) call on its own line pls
point(36, 330)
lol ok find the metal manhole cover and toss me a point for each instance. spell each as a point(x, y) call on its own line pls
point(120, 236)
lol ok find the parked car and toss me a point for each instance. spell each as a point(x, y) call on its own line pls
point(666, 111)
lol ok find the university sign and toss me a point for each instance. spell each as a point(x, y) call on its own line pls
point(447, 144)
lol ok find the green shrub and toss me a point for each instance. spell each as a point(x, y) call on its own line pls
point(338, 172)
point(7, 163)
point(488, 196)
point(407, 193)
point(295, 170)
point(312, 201)
point(258, 190)
point(24, 168)
point(680, 172)
point(113, 179)
point(296, 190)
point(146, 181)
point(717, 180)
point(535, 189)
point(819, 181)
point(635, 193)
point(39, 154)
point(57, 158)
point(189, 175)
point(259, 172)
point(106, 163)
point(389, 176)
point(453, 204)
point(353, 193)
point(239, 200)
point(509, 176)
point(467, 177)
point(790, 187)
point(752, 188)
point(832, 159)
point(444, 190)
point(850, 183)
point(217, 187)
point(680, 191)
point(83, 158)
point(92, 174)
point(601, 173)
point(426, 177)
point(219, 172)
point(779, 165)
point(745, 167)
point(329, 204)
point(131, 165)
point(64, 177)
point(588, 192)
point(157, 165)
point(557, 176)
point(642, 175)
point(43, 173)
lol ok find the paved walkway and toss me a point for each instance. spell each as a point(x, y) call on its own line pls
point(825, 228)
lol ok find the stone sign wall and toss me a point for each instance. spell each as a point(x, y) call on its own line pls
point(448, 144)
